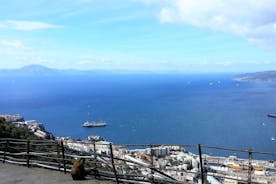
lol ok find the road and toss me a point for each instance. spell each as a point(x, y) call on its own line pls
point(13, 174)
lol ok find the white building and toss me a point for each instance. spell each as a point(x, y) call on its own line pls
point(230, 181)
point(36, 127)
point(102, 147)
point(158, 151)
point(12, 117)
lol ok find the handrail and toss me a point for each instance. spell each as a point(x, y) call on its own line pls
point(26, 152)
point(239, 150)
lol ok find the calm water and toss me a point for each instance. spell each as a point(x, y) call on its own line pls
point(206, 109)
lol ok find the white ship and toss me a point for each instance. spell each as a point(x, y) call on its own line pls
point(94, 124)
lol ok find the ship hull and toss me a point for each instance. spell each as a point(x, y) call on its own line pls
point(94, 124)
point(272, 115)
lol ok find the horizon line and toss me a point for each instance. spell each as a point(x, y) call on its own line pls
point(160, 71)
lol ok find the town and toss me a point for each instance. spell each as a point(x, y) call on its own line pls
point(173, 161)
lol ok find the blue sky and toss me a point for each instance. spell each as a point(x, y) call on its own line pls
point(148, 35)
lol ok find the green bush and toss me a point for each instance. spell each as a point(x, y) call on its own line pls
point(8, 130)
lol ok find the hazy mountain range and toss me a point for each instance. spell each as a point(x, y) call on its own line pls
point(34, 70)
point(39, 70)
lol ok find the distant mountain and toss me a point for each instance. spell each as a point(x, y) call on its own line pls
point(39, 70)
point(265, 76)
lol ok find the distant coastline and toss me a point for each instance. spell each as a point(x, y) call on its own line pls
point(265, 76)
point(40, 70)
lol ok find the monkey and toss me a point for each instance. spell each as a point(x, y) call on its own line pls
point(77, 171)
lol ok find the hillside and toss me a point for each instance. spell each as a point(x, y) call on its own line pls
point(266, 76)
point(8, 130)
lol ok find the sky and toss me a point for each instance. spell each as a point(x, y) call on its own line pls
point(139, 35)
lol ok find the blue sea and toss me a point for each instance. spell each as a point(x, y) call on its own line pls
point(148, 108)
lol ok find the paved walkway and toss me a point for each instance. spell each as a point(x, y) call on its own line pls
point(13, 174)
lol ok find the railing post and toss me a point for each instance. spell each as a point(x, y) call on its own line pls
point(112, 162)
point(95, 158)
point(151, 163)
point(6, 150)
point(249, 165)
point(28, 153)
point(94, 152)
point(58, 156)
point(63, 157)
point(200, 163)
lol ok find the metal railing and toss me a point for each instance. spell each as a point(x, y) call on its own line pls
point(115, 162)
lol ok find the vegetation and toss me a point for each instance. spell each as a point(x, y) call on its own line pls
point(8, 130)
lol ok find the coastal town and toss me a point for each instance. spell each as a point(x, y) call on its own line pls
point(173, 161)
point(181, 164)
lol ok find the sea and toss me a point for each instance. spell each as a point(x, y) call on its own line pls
point(148, 108)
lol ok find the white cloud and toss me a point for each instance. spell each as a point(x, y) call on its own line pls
point(12, 43)
point(166, 16)
point(250, 19)
point(224, 63)
point(26, 25)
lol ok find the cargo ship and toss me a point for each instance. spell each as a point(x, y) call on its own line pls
point(94, 124)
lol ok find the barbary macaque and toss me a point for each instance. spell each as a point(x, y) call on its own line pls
point(77, 171)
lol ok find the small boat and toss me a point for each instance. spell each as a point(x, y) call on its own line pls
point(272, 115)
point(272, 139)
point(94, 124)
